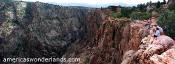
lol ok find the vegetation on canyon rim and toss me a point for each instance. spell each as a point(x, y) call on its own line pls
point(165, 16)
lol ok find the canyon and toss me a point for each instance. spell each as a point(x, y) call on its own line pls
point(36, 30)
point(39, 29)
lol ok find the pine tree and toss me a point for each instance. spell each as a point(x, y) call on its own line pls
point(158, 4)
point(164, 1)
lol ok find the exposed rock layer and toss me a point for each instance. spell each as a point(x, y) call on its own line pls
point(158, 51)
point(111, 41)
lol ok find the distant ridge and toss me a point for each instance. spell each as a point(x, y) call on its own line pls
point(93, 5)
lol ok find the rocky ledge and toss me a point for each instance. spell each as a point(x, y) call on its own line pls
point(152, 51)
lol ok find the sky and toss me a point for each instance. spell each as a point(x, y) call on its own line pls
point(94, 3)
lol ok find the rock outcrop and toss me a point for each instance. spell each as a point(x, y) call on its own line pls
point(157, 51)
point(122, 41)
point(111, 41)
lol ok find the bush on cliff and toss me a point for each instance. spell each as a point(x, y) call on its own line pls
point(117, 15)
point(167, 21)
point(140, 15)
point(158, 4)
point(171, 6)
point(114, 15)
point(125, 12)
point(142, 7)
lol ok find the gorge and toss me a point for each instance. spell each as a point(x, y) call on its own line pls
point(36, 30)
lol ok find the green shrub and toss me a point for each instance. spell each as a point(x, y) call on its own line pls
point(140, 16)
point(159, 10)
point(135, 15)
point(142, 7)
point(114, 9)
point(151, 10)
point(134, 8)
point(164, 1)
point(125, 12)
point(116, 15)
point(113, 44)
point(171, 6)
point(158, 4)
point(173, 11)
point(168, 20)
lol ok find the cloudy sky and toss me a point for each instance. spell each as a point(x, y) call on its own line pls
point(96, 2)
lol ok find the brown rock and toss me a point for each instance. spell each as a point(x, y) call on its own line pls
point(158, 52)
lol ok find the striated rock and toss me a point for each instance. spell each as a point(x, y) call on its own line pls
point(165, 58)
point(127, 57)
point(158, 51)
point(111, 41)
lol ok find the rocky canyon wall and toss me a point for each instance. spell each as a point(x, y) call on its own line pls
point(38, 29)
point(112, 39)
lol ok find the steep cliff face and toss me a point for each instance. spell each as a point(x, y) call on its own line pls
point(11, 33)
point(111, 41)
point(121, 41)
point(57, 27)
point(38, 29)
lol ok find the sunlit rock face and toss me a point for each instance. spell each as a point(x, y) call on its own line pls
point(39, 29)
point(157, 51)
point(111, 40)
